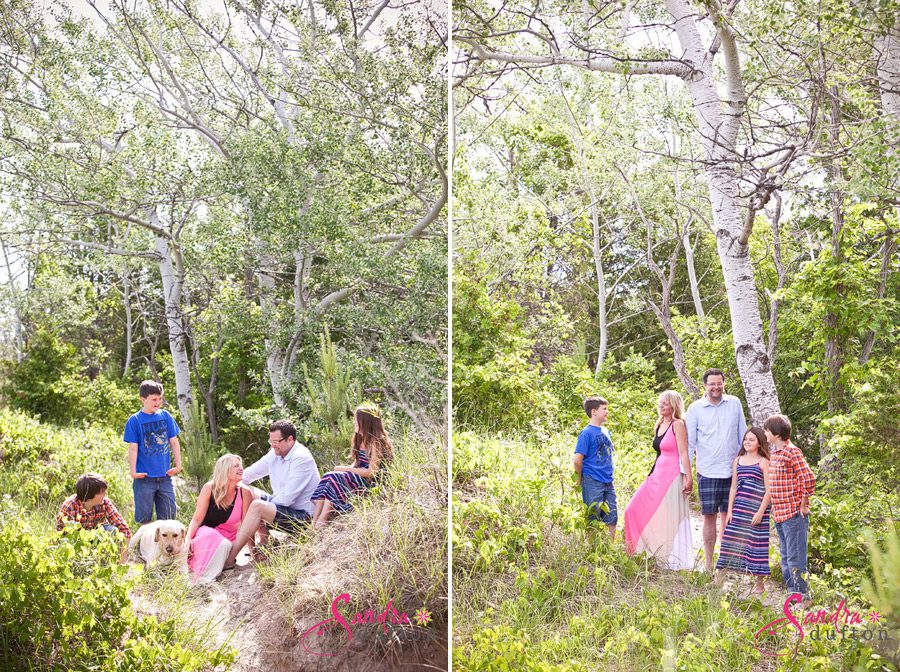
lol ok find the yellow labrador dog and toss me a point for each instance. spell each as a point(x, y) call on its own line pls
point(162, 542)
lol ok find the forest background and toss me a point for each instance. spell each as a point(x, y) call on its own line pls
point(643, 190)
point(245, 202)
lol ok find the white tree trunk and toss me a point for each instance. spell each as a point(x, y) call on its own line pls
point(695, 285)
point(14, 296)
point(718, 129)
point(888, 68)
point(126, 296)
point(602, 320)
point(172, 282)
point(274, 354)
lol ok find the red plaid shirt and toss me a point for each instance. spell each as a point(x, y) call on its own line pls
point(790, 478)
point(105, 513)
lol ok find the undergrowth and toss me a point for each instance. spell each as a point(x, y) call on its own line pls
point(391, 549)
point(538, 587)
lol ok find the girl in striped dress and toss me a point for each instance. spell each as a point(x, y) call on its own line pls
point(745, 542)
point(370, 449)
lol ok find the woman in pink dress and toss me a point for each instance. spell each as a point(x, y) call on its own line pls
point(657, 519)
point(221, 506)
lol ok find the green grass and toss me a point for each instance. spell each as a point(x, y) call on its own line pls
point(537, 587)
point(391, 547)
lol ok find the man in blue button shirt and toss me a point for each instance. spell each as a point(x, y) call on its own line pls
point(715, 429)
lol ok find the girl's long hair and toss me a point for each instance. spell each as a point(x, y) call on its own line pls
point(371, 436)
point(761, 437)
point(676, 402)
point(220, 478)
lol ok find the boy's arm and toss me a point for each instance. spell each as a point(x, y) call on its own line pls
point(807, 481)
point(115, 518)
point(132, 461)
point(577, 462)
point(176, 454)
point(61, 518)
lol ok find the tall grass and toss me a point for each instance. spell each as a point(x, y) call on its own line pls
point(391, 547)
point(538, 587)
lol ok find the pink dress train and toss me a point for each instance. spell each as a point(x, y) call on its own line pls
point(211, 545)
point(657, 519)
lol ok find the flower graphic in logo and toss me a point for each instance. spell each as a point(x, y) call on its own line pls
point(423, 617)
point(874, 616)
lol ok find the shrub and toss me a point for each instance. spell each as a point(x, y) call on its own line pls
point(328, 396)
point(64, 606)
point(53, 458)
point(199, 453)
point(48, 383)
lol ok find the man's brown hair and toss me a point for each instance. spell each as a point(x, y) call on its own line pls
point(712, 372)
point(286, 427)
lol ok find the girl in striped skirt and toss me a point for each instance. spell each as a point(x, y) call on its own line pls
point(745, 543)
point(371, 449)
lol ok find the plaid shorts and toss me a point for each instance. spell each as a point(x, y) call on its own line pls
point(714, 494)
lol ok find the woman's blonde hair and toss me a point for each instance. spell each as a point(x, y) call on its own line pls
point(675, 401)
point(220, 478)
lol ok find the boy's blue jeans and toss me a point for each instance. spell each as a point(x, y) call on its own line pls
point(793, 535)
point(150, 492)
point(594, 492)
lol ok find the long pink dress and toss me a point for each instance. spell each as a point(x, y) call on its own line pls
point(211, 545)
point(657, 519)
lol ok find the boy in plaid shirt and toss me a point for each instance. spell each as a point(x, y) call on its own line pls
point(791, 483)
point(90, 507)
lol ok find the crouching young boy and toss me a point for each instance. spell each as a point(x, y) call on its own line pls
point(90, 507)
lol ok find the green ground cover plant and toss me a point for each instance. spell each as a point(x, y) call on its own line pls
point(538, 587)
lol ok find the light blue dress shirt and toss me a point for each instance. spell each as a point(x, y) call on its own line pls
point(294, 477)
point(715, 433)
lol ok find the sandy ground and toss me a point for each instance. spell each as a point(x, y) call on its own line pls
point(241, 613)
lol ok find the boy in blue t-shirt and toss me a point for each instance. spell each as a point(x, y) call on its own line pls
point(152, 438)
point(594, 466)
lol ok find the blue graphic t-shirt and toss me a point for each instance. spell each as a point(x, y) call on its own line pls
point(151, 433)
point(595, 443)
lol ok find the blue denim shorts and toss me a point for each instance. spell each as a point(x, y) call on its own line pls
point(593, 493)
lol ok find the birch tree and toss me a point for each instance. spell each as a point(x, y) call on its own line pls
point(548, 40)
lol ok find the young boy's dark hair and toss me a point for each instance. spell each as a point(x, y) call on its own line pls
point(592, 403)
point(286, 427)
point(712, 372)
point(89, 485)
point(779, 425)
point(149, 387)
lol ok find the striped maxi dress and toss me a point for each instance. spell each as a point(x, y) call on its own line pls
point(338, 486)
point(745, 547)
